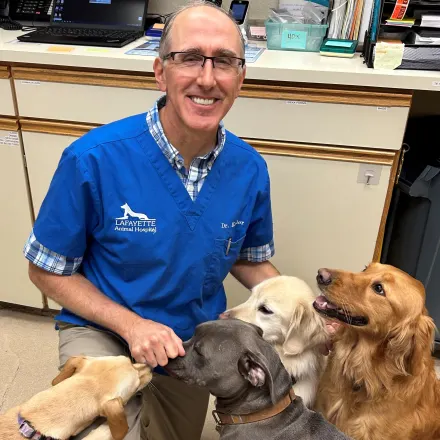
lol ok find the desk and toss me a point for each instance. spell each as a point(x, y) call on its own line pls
point(316, 120)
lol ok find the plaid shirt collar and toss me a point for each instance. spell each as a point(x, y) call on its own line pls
point(171, 153)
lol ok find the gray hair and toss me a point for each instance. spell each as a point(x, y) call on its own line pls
point(166, 34)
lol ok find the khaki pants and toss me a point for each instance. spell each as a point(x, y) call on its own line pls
point(167, 409)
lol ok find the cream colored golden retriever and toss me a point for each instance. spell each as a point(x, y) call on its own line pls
point(85, 389)
point(283, 308)
point(380, 382)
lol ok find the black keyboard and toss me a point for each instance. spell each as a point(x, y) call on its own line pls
point(81, 36)
point(81, 32)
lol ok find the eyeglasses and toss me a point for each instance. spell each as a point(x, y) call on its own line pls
point(193, 63)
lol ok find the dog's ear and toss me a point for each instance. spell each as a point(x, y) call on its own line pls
point(410, 344)
point(69, 369)
point(113, 410)
point(263, 368)
point(423, 341)
point(253, 369)
point(305, 330)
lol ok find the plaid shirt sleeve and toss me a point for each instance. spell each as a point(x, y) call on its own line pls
point(48, 260)
point(258, 254)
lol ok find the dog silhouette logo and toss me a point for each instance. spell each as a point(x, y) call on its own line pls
point(128, 212)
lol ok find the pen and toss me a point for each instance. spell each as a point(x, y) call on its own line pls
point(228, 246)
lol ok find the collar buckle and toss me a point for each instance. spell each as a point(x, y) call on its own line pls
point(217, 419)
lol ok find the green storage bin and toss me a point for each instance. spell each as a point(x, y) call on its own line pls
point(295, 36)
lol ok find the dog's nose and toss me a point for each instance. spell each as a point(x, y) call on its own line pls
point(324, 277)
point(224, 315)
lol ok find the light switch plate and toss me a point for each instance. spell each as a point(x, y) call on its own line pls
point(365, 169)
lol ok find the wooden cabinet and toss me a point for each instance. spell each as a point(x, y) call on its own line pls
point(322, 215)
point(15, 221)
point(313, 137)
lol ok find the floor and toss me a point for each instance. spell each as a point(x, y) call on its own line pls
point(29, 359)
point(28, 353)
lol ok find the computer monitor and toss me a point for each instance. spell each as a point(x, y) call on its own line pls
point(104, 14)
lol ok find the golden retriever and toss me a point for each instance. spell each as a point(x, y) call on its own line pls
point(85, 389)
point(283, 308)
point(380, 381)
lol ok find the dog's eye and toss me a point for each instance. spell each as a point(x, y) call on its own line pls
point(265, 310)
point(378, 288)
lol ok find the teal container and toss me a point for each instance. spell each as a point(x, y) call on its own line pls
point(295, 36)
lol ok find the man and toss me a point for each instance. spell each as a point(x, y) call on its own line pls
point(146, 216)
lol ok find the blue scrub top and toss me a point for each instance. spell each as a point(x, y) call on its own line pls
point(116, 201)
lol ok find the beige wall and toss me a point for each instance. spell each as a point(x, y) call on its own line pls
point(258, 9)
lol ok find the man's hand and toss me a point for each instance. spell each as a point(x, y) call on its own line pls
point(331, 327)
point(153, 343)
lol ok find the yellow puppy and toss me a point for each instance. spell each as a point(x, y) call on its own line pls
point(283, 308)
point(85, 389)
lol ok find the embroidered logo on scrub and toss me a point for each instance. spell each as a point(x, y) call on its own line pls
point(135, 221)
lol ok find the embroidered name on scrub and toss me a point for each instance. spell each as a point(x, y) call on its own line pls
point(128, 222)
point(233, 225)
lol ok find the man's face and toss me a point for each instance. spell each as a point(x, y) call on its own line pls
point(199, 100)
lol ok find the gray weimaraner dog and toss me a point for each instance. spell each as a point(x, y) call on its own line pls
point(244, 372)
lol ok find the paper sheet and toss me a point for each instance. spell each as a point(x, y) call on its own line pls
point(149, 48)
point(252, 53)
point(388, 56)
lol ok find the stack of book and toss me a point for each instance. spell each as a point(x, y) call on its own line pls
point(155, 31)
point(345, 19)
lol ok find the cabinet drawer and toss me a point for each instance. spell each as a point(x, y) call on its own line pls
point(6, 101)
point(96, 99)
point(321, 116)
point(15, 222)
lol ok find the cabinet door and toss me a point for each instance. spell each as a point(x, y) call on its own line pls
point(15, 222)
point(322, 217)
point(43, 152)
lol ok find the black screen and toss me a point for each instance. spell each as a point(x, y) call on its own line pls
point(124, 14)
point(239, 11)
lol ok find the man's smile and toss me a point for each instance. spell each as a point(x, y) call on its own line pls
point(203, 101)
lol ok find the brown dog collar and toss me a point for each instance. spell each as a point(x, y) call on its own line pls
point(267, 413)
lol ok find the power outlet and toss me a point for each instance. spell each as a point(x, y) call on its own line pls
point(369, 174)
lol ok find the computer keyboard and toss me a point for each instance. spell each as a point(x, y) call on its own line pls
point(82, 32)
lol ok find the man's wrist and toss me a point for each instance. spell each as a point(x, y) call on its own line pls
point(125, 324)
